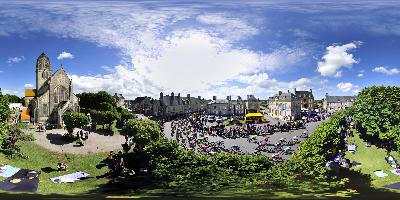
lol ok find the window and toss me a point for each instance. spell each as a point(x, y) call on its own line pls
point(44, 110)
point(60, 94)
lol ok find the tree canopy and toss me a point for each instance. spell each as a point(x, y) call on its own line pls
point(96, 101)
point(74, 120)
point(13, 98)
point(143, 131)
point(377, 110)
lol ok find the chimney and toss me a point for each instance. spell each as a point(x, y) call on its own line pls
point(214, 98)
point(199, 97)
point(172, 98)
point(280, 92)
point(288, 91)
point(326, 94)
point(294, 90)
point(311, 90)
point(161, 95)
point(188, 96)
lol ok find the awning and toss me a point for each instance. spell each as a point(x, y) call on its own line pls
point(254, 115)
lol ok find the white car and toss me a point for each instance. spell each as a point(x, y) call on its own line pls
point(219, 119)
point(211, 118)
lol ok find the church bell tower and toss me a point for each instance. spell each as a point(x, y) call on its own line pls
point(43, 71)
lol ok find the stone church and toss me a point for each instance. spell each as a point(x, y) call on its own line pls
point(53, 94)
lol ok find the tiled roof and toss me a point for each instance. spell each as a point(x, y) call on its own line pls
point(340, 98)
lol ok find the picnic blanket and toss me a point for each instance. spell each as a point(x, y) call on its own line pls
point(24, 180)
point(380, 174)
point(395, 171)
point(70, 178)
point(352, 148)
point(8, 170)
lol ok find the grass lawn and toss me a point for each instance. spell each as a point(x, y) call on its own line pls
point(372, 159)
point(41, 158)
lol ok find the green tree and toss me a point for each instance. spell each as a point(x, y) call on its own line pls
point(13, 98)
point(104, 117)
point(96, 101)
point(392, 138)
point(74, 120)
point(143, 131)
point(125, 115)
point(4, 109)
point(377, 110)
point(109, 117)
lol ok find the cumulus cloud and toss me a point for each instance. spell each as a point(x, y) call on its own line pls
point(163, 49)
point(345, 87)
point(65, 55)
point(300, 84)
point(15, 60)
point(387, 71)
point(337, 57)
point(360, 75)
point(28, 85)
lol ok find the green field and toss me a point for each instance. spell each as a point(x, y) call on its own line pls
point(363, 183)
point(372, 159)
point(40, 158)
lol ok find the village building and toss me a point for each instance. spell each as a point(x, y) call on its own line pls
point(333, 104)
point(53, 94)
point(252, 104)
point(119, 100)
point(306, 99)
point(226, 107)
point(284, 106)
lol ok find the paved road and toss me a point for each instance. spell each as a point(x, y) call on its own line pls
point(249, 147)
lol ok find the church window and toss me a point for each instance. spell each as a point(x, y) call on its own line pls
point(60, 94)
point(44, 110)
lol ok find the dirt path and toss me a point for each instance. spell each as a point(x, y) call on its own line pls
point(52, 140)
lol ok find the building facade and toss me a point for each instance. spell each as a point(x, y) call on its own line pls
point(284, 106)
point(252, 104)
point(306, 99)
point(53, 95)
point(333, 104)
point(226, 107)
point(119, 100)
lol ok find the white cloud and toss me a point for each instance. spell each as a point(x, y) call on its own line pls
point(336, 57)
point(345, 87)
point(360, 75)
point(65, 55)
point(28, 85)
point(15, 60)
point(300, 84)
point(161, 50)
point(387, 71)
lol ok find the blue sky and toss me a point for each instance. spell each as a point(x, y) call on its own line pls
point(215, 48)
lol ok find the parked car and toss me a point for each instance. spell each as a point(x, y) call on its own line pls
point(50, 126)
point(219, 119)
point(211, 118)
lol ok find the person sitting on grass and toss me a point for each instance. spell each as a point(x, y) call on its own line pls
point(62, 166)
point(389, 158)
